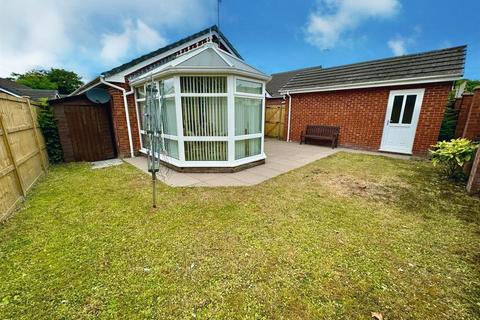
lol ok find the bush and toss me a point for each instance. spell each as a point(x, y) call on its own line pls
point(48, 125)
point(452, 156)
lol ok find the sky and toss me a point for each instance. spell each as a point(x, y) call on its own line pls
point(92, 36)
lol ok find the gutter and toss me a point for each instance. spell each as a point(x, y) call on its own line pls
point(125, 104)
point(289, 114)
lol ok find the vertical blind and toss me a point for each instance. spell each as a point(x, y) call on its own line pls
point(203, 84)
point(206, 151)
point(204, 116)
point(248, 116)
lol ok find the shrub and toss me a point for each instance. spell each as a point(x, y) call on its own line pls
point(48, 125)
point(451, 156)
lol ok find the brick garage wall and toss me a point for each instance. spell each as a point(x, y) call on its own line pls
point(120, 121)
point(360, 114)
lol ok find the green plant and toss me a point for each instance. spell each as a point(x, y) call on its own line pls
point(55, 79)
point(449, 123)
point(452, 156)
point(48, 125)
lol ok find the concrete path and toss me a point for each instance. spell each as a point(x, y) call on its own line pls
point(281, 157)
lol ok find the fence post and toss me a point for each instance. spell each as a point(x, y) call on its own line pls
point(34, 124)
point(11, 156)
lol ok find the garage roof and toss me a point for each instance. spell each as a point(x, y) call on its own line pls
point(429, 66)
point(280, 79)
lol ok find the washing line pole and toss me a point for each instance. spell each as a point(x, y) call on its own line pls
point(151, 119)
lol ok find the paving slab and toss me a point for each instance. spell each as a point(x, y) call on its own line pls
point(281, 157)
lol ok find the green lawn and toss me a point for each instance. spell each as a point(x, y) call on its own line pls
point(340, 238)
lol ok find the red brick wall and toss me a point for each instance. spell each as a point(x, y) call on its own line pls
point(473, 185)
point(472, 127)
point(463, 106)
point(360, 114)
point(274, 101)
point(120, 121)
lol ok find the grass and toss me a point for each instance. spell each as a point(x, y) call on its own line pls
point(340, 238)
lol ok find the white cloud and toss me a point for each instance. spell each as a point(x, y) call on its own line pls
point(90, 34)
point(333, 18)
point(397, 46)
point(136, 36)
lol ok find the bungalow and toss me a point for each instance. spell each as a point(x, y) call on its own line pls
point(19, 90)
point(392, 105)
point(212, 104)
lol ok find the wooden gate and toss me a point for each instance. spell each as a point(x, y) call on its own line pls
point(85, 129)
point(274, 121)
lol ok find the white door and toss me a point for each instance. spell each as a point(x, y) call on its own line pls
point(401, 120)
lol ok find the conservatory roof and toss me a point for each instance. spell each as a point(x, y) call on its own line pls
point(206, 59)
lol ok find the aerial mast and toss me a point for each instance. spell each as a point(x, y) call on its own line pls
point(218, 13)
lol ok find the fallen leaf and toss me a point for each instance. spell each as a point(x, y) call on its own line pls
point(377, 316)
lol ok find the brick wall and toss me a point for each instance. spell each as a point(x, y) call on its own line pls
point(472, 126)
point(120, 121)
point(360, 114)
point(463, 106)
point(473, 185)
point(274, 101)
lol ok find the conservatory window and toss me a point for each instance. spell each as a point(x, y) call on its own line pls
point(169, 117)
point(140, 91)
point(171, 147)
point(205, 114)
point(248, 116)
point(205, 84)
point(247, 148)
point(206, 150)
point(251, 87)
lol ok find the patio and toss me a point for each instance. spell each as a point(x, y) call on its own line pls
point(281, 157)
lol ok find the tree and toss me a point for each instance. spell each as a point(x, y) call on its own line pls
point(471, 84)
point(66, 81)
point(35, 79)
point(54, 79)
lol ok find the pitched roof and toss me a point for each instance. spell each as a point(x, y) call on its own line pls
point(280, 79)
point(200, 60)
point(152, 54)
point(433, 64)
point(12, 86)
point(22, 90)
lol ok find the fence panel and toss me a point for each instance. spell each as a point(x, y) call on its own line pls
point(23, 157)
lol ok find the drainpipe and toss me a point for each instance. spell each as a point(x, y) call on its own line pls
point(289, 114)
point(125, 104)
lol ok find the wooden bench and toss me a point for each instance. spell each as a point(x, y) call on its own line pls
point(320, 132)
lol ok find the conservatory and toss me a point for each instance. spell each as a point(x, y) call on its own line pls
point(212, 111)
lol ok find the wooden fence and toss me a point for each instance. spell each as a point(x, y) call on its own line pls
point(23, 157)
